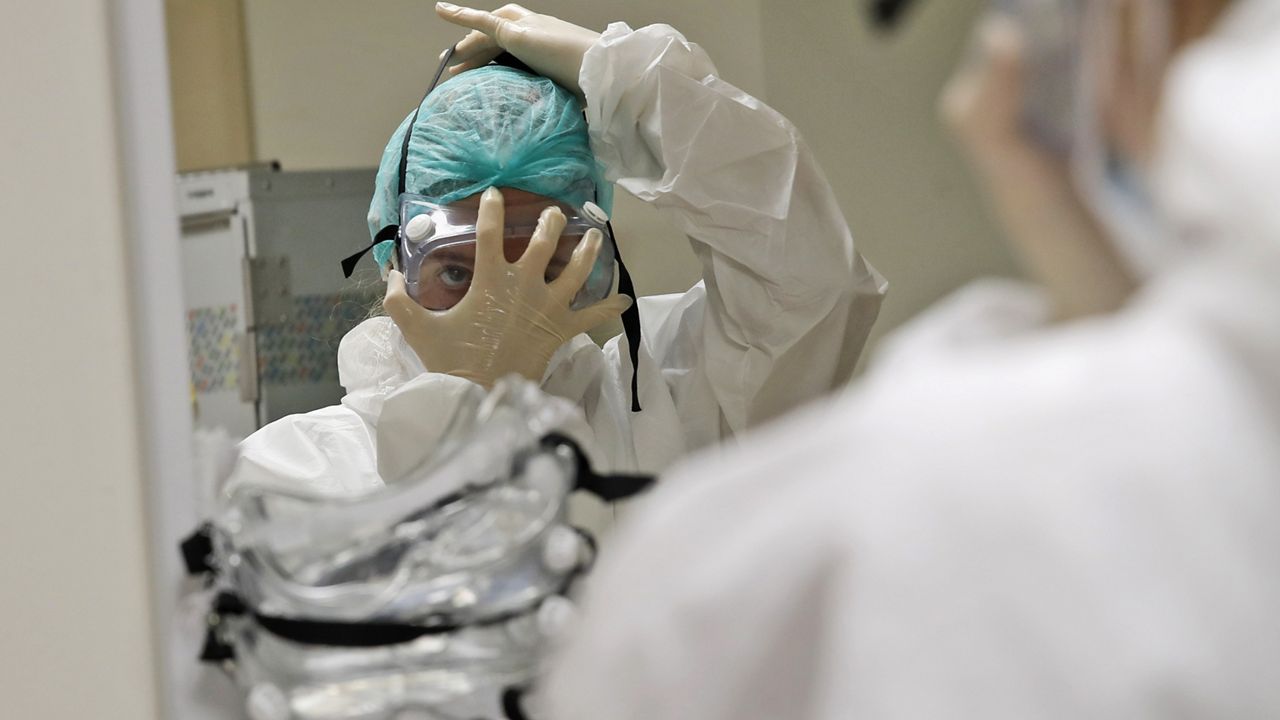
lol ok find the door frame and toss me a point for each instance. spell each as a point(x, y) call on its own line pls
point(149, 199)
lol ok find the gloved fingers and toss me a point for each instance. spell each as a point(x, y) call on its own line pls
point(475, 50)
point(489, 235)
point(478, 49)
point(545, 240)
point(490, 23)
point(579, 268)
point(405, 312)
point(983, 102)
point(600, 313)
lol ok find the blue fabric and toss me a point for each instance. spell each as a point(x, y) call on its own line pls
point(490, 127)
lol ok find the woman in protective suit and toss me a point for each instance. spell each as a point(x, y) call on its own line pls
point(782, 312)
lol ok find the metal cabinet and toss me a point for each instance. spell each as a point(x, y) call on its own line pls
point(265, 297)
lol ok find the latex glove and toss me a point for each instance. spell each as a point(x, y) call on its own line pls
point(1030, 188)
point(511, 320)
point(550, 46)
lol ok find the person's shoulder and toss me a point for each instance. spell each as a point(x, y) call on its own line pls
point(1094, 400)
point(328, 450)
point(309, 423)
point(374, 354)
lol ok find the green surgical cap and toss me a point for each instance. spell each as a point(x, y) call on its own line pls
point(490, 127)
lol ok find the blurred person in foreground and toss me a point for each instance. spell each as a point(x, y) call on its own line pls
point(1055, 500)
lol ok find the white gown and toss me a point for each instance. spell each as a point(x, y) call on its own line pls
point(1070, 524)
point(1003, 520)
point(779, 319)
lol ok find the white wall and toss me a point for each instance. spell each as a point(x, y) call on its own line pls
point(77, 639)
point(866, 104)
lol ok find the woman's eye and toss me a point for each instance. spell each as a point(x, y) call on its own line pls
point(455, 276)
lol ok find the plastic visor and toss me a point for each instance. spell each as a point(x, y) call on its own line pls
point(437, 248)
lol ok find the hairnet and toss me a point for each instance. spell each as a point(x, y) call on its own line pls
point(490, 127)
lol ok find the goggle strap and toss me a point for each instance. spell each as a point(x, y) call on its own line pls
point(336, 633)
point(389, 232)
point(408, 133)
point(513, 703)
point(197, 551)
point(630, 321)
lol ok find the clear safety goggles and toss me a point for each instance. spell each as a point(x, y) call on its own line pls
point(439, 594)
point(436, 247)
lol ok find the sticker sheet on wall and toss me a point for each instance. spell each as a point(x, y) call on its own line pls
point(304, 348)
point(215, 348)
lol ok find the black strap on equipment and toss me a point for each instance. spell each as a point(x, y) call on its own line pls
point(339, 633)
point(512, 703)
point(197, 551)
point(215, 649)
point(336, 633)
point(610, 487)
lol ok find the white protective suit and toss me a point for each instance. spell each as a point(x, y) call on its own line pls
point(779, 319)
point(1003, 520)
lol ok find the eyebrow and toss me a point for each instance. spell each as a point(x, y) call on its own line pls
point(451, 255)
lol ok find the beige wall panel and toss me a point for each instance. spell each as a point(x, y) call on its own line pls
point(74, 600)
point(209, 83)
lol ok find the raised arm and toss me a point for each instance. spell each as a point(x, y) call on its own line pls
point(788, 300)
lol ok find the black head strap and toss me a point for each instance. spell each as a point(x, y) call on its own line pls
point(630, 322)
point(349, 263)
point(513, 703)
point(391, 232)
point(408, 133)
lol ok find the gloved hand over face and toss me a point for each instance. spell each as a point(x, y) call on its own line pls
point(552, 47)
point(512, 318)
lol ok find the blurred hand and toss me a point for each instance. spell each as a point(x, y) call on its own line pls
point(1030, 188)
point(550, 46)
point(512, 319)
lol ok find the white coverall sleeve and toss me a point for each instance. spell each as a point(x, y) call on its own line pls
point(786, 301)
point(327, 451)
